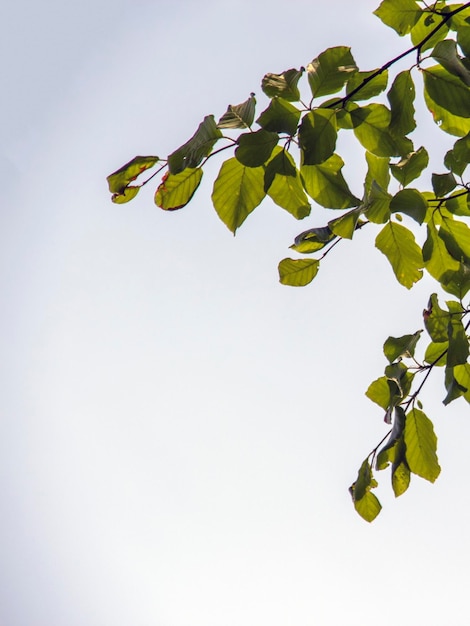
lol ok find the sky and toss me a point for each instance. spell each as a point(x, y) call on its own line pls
point(179, 430)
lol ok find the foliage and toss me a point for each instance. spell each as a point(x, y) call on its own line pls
point(290, 156)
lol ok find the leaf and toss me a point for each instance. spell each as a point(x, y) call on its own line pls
point(456, 236)
point(346, 225)
point(410, 202)
point(312, 240)
point(379, 392)
point(457, 282)
point(458, 158)
point(326, 185)
point(317, 136)
point(388, 454)
point(377, 205)
point(239, 115)
point(399, 380)
point(401, 15)
point(372, 128)
point(199, 146)
point(280, 117)
point(459, 350)
point(298, 272)
point(399, 246)
point(396, 347)
point(366, 85)
point(238, 190)
point(445, 53)
point(442, 184)
point(426, 24)
point(328, 72)
point(365, 503)
point(458, 204)
point(401, 97)
point(378, 172)
point(436, 353)
point(127, 194)
point(411, 166)
point(436, 320)
point(462, 376)
point(368, 507)
point(254, 149)
point(454, 389)
point(421, 445)
point(448, 99)
point(176, 190)
point(119, 180)
point(283, 85)
point(437, 259)
point(283, 185)
point(400, 474)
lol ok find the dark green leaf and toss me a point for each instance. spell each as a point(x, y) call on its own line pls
point(176, 190)
point(330, 70)
point(396, 347)
point(462, 376)
point(298, 272)
point(283, 85)
point(372, 128)
point(458, 204)
point(458, 351)
point(421, 445)
point(401, 97)
point(457, 282)
point(119, 180)
point(280, 117)
point(399, 380)
point(448, 99)
point(312, 240)
point(239, 115)
point(283, 184)
point(399, 246)
point(326, 185)
point(317, 136)
point(411, 202)
point(411, 166)
point(401, 15)
point(458, 158)
point(254, 149)
point(437, 259)
point(456, 236)
point(388, 454)
point(238, 190)
point(445, 53)
point(442, 184)
point(453, 387)
point(197, 148)
point(281, 163)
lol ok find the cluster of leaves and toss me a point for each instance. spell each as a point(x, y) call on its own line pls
point(290, 157)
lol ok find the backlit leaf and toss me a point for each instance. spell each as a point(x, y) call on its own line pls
point(298, 272)
point(254, 149)
point(404, 346)
point(436, 353)
point(459, 350)
point(366, 85)
point(411, 166)
point(326, 185)
point(401, 15)
point(442, 184)
point(176, 190)
point(317, 136)
point(448, 99)
point(283, 85)
point(239, 115)
point(368, 507)
point(346, 225)
point(328, 72)
point(199, 146)
point(426, 24)
point(312, 240)
point(401, 97)
point(399, 246)
point(445, 53)
point(283, 184)
point(372, 128)
point(411, 202)
point(436, 320)
point(238, 190)
point(421, 445)
point(126, 195)
point(462, 375)
point(280, 117)
point(379, 392)
point(119, 180)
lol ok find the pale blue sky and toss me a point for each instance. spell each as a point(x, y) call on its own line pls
point(179, 430)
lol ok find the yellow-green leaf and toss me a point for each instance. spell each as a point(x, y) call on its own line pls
point(421, 445)
point(399, 246)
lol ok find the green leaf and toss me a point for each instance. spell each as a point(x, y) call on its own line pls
point(317, 136)
point(401, 97)
point(238, 190)
point(191, 154)
point(437, 259)
point(463, 38)
point(454, 389)
point(445, 53)
point(239, 115)
point(399, 246)
point(442, 184)
point(254, 149)
point(411, 166)
point(448, 99)
point(372, 129)
point(379, 392)
point(176, 190)
point(366, 85)
point(399, 380)
point(436, 353)
point(126, 195)
point(400, 474)
point(346, 225)
point(396, 347)
point(280, 117)
point(456, 236)
point(326, 185)
point(377, 205)
point(459, 350)
point(283, 185)
point(462, 376)
point(378, 172)
point(363, 481)
point(458, 204)
point(425, 25)
point(458, 158)
point(119, 180)
point(368, 507)
point(457, 282)
point(330, 70)
point(388, 454)
point(312, 240)
point(283, 85)
point(436, 320)
point(421, 445)
point(298, 272)
point(401, 15)
point(410, 202)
